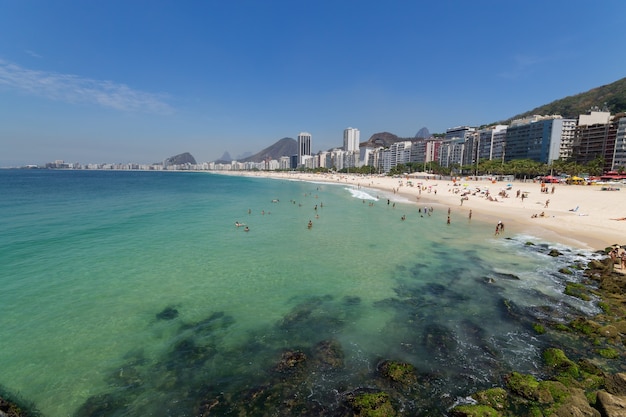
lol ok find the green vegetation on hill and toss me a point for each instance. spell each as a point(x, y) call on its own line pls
point(610, 97)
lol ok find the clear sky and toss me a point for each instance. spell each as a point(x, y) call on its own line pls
point(139, 81)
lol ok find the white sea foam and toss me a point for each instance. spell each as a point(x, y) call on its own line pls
point(361, 194)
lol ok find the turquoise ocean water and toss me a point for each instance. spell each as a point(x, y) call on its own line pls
point(89, 259)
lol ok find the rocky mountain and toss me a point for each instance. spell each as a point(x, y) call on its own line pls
point(226, 158)
point(283, 147)
point(384, 139)
point(423, 133)
point(180, 159)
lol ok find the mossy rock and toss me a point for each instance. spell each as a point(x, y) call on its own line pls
point(376, 404)
point(554, 253)
point(559, 362)
point(608, 353)
point(496, 398)
point(584, 326)
point(529, 244)
point(474, 410)
point(620, 326)
point(566, 271)
point(609, 331)
point(403, 373)
point(538, 328)
point(552, 392)
point(577, 290)
point(561, 327)
point(522, 385)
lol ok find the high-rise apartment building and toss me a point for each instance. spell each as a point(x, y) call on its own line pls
point(537, 138)
point(304, 147)
point(351, 138)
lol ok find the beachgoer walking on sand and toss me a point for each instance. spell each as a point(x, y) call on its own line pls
point(547, 202)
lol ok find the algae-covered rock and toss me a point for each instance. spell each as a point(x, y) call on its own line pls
point(474, 410)
point(584, 326)
point(608, 331)
point(403, 373)
point(522, 385)
point(560, 363)
point(539, 328)
point(577, 290)
point(371, 404)
point(608, 353)
point(576, 404)
point(495, 398)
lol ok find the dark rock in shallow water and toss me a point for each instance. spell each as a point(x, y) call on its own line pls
point(328, 355)
point(104, 405)
point(503, 275)
point(351, 300)
point(439, 339)
point(15, 407)
point(168, 313)
point(290, 361)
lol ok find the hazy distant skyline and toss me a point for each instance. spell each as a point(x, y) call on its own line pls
point(139, 81)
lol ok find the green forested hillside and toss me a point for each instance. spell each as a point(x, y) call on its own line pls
point(610, 97)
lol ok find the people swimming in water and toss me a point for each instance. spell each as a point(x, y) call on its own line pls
point(310, 224)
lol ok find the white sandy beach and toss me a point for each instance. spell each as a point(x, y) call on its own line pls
point(591, 226)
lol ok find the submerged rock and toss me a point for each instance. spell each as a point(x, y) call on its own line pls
point(290, 360)
point(168, 313)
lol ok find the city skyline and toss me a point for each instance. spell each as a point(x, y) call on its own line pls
point(130, 82)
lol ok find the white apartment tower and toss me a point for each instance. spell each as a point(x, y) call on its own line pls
point(351, 138)
point(304, 147)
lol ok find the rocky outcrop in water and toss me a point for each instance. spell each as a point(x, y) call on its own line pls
point(298, 366)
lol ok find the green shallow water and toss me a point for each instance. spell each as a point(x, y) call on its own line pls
point(90, 258)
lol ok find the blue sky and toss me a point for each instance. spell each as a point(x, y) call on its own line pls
point(139, 81)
